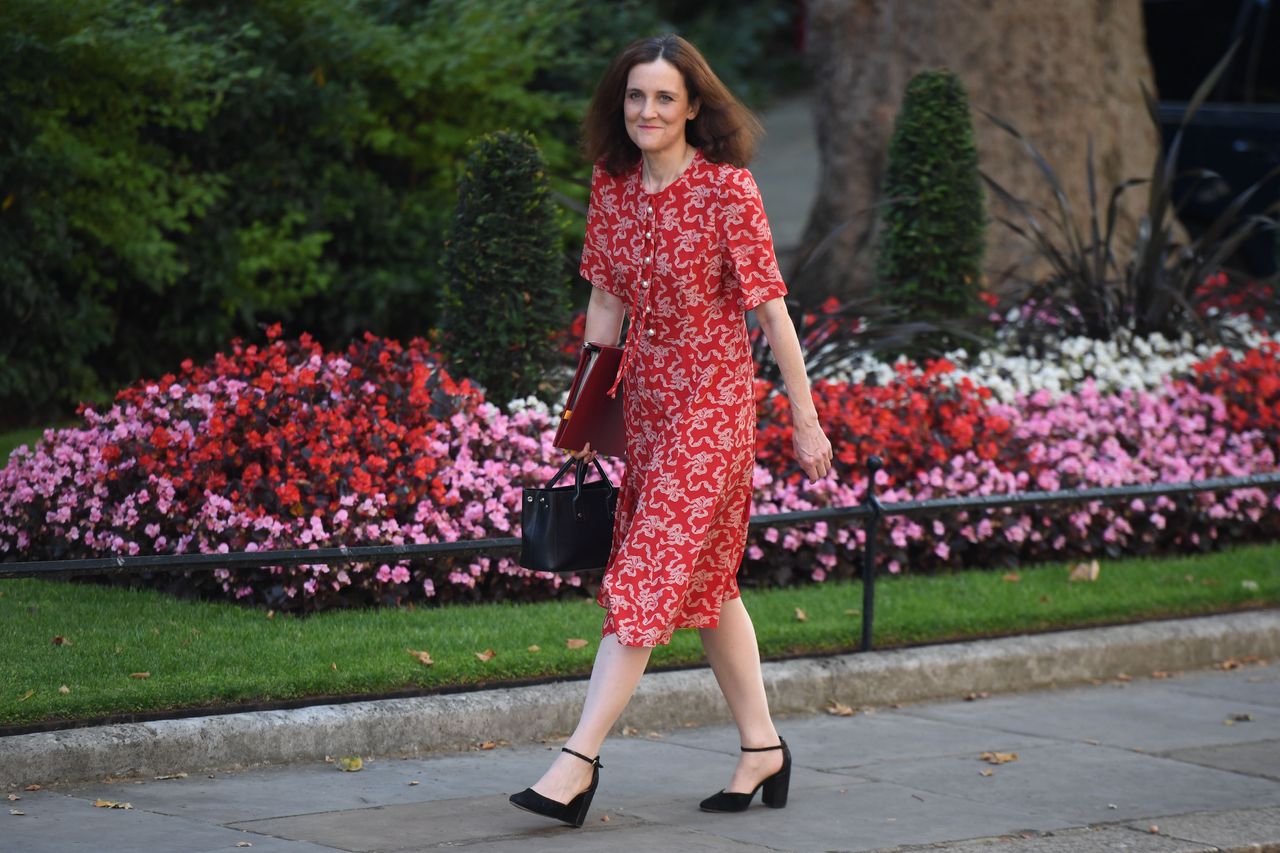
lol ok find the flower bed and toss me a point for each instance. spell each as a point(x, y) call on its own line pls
point(287, 446)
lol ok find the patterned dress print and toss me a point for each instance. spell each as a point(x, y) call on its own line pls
point(688, 262)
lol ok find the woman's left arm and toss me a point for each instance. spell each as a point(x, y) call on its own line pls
point(812, 448)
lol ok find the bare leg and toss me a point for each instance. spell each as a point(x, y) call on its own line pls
point(735, 659)
point(614, 677)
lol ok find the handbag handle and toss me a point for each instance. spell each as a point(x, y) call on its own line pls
point(580, 475)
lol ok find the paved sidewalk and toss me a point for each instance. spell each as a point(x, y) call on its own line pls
point(1196, 755)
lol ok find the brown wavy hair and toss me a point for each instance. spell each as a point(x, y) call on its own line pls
point(723, 129)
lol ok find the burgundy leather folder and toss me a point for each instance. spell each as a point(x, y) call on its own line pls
point(590, 414)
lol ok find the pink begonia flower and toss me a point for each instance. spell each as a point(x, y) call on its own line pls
point(942, 551)
point(400, 574)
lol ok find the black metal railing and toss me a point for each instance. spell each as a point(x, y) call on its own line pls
point(871, 509)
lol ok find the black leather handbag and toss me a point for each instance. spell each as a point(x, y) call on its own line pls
point(568, 528)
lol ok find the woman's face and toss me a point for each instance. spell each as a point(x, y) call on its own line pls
point(656, 106)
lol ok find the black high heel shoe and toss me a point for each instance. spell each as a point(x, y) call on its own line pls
point(775, 786)
point(573, 812)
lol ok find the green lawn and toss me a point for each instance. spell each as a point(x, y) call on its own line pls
point(9, 441)
point(206, 654)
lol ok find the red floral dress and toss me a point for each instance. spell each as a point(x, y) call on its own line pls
point(688, 262)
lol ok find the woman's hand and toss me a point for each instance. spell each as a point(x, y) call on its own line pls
point(586, 453)
point(812, 449)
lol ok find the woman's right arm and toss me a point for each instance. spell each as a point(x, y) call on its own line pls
point(604, 326)
point(604, 317)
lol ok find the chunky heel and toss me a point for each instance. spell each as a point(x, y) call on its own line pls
point(775, 787)
point(774, 790)
point(574, 812)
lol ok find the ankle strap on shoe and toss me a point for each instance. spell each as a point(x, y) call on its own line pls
point(595, 761)
point(760, 748)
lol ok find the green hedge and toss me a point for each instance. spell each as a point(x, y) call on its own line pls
point(175, 174)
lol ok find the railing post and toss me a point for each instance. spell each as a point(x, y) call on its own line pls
point(871, 502)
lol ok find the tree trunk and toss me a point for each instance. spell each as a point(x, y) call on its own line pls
point(1062, 73)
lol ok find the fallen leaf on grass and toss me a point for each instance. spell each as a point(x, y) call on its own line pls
point(488, 744)
point(630, 731)
point(333, 666)
point(139, 675)
point(1011, 577)
point(351, 764)
point(533, 650)
point(64, 690)
point(1252, 586)
point(486, 655)
point(171, 776)
point(423, 657)
point(800, 615)
point(61, 641)
point(1084, 571)
point(839, 709)
point(575, 643)
point(111, 804)
point(33, 788)
point(25, 696)
point(998, 757)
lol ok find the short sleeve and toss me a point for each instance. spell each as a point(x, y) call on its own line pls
point(596, 266)
point(749, 242)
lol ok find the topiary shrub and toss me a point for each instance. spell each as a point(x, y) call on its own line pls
point(930, 252)
point(506, 289)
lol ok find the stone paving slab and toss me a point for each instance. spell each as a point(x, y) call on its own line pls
point(1253, 684)
point(843, 814)
point(1106, 715)
point(1257, 758)
point(1079, 784)
point(56, 823)
point(391, 829)
point(840, 743)
point(1103, 839)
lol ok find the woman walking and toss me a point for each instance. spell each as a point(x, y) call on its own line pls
point(677, 240)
